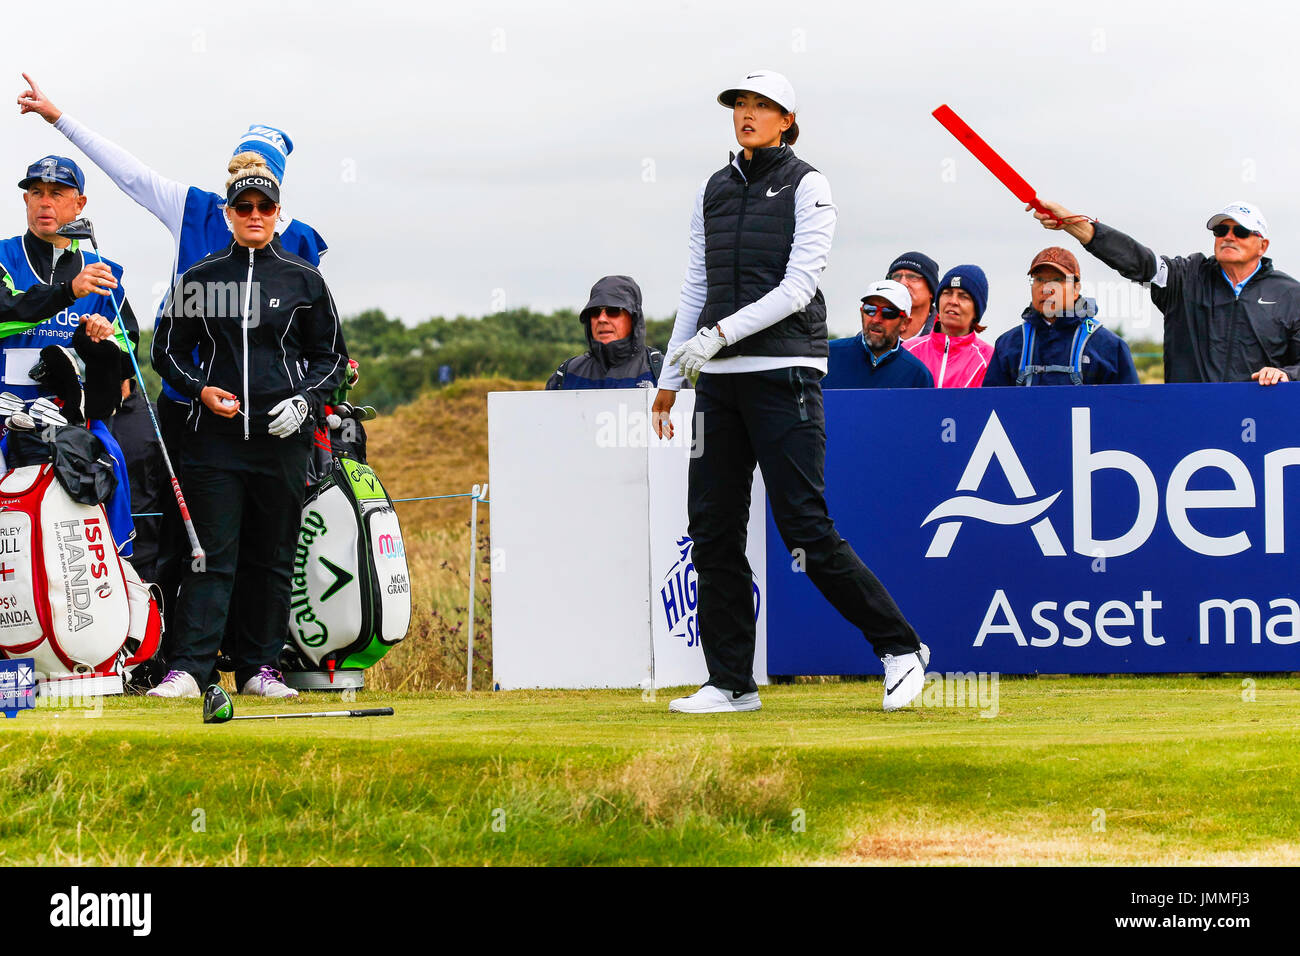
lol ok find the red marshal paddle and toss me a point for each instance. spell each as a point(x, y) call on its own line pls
point(989, 157)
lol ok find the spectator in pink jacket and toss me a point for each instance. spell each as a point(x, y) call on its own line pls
point(954, 354)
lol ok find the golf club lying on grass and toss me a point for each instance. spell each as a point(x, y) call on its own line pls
point(218, 708)
point(84, 229)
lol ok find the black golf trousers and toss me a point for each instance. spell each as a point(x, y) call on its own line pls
point(775, 419)
point(245, 497)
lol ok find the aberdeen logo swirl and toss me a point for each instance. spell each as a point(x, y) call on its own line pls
point(993, 445)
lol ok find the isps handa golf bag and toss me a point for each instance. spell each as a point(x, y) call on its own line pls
point(66, 599)
point(350, 601)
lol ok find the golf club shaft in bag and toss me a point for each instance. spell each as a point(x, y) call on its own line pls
point(196, 549)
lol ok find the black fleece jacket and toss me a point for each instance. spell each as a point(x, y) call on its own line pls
point(1211, 335)
point(266, 328)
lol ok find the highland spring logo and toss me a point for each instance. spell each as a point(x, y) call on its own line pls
point(680, 597)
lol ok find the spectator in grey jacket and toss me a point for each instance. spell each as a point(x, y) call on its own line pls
point(1228, 318)
point(616, 356)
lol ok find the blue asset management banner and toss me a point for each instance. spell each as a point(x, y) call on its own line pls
point(1107, 529)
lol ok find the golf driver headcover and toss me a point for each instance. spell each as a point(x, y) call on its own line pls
point(57, 371)
point(103, 374)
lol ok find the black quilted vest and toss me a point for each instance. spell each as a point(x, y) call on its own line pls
point(748, 232)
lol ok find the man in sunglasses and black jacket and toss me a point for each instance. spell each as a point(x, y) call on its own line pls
point(875, 357)
point(1228, 318)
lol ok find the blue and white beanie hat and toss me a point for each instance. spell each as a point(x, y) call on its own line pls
point(273, 144)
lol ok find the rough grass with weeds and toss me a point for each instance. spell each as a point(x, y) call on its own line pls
point(1163, 770)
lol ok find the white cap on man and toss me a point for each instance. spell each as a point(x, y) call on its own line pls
point(895, 293)
point(1244, 214)
point(766, 83)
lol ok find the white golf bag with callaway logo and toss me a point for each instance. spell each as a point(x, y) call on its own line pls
point(66, 600)
point(351, 597)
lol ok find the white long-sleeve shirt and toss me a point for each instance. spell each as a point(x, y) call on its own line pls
point(163, 197)
point(813, 230)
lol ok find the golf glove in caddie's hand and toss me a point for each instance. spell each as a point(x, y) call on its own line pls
point(287, 417)
point(691, 356)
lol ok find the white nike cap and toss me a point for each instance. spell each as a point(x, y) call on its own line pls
point(1243, 213)
point(893, 292)
point(767, 83)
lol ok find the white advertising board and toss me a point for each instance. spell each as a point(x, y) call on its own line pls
point(588, 525)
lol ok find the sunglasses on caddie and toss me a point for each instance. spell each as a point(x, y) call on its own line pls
point(1241, 232)
point(886, 312)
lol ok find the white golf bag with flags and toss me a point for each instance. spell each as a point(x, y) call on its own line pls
point(351, 595)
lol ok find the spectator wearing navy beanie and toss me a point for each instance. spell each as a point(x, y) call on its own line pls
point(954, 354)
point(920, 274)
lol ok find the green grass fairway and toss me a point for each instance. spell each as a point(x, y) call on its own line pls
point(1164, 770)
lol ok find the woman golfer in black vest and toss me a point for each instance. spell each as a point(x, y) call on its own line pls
point(752, 323)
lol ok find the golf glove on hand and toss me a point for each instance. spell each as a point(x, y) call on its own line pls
point(691, 356)
point(287, 416)
point(10, 403)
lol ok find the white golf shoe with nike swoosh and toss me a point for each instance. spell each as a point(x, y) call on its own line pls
point(904, 677)
point(714, 700)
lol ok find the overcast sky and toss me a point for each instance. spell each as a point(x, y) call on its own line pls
point(460, 158)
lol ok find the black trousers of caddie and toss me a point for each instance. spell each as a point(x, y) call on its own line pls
point(173, 543)
point(245, 497)
point(775, 419)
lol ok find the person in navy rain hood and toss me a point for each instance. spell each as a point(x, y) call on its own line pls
point(875, 357)
point(1059, 340)
point(751, 322)
point(616, 356)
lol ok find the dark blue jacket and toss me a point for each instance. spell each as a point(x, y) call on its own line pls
point(851, 365)
point(1106, 359)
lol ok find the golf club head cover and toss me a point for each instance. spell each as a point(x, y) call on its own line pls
point(57, 371)
point(103, 394)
